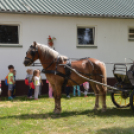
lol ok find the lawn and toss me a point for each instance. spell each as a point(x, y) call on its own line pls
point(23, 116)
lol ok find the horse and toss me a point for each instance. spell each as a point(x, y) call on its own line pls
point(51, 61)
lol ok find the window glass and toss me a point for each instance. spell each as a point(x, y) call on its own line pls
point(9, 34)
point(85, 36)
point(131, 34)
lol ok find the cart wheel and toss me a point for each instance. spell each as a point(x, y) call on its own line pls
point(132, 100)
point(120, 99)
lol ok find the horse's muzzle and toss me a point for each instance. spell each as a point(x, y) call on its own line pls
point(27, 63)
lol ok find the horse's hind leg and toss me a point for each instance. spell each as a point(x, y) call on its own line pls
point(96, 91)
point(104, 107)
point(103, 93)
point(96, 101)
point(103, 89)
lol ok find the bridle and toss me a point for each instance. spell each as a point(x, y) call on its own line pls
point(33, 53)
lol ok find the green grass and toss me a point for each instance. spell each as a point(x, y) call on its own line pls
point(24, 116)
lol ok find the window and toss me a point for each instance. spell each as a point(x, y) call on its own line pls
point(85, 36)
point(9, 34)
point(131, 34)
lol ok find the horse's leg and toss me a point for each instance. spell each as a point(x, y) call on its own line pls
point(104, 106)
point(104, 89)
point(103, 93)
point(93, 86)
point(57, 97)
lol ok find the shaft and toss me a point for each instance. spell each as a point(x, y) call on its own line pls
point(88, 79)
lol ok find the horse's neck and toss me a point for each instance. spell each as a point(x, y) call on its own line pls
point(46, 62)
point(45, 58)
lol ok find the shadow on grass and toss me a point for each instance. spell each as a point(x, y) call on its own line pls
point(116, 130)
point(88, 113)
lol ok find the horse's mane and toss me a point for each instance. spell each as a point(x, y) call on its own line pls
point(47, 52)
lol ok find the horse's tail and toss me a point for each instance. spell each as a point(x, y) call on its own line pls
point(104, 73)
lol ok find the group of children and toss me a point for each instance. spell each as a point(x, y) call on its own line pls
point(34, 82)
point(77, 87)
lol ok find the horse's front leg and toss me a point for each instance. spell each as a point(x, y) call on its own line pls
point(57, 98)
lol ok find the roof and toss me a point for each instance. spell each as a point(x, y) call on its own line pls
point(88, 8)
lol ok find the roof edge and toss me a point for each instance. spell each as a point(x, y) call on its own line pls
point(72, 15)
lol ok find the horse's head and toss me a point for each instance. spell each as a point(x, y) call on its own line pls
point(31, 54)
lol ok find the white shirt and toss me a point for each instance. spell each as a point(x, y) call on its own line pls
point(36, 81)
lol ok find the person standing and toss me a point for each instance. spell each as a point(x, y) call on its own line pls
point(86, 87)
point(50, 90)
point(10, 81)
point(14, 86)
point(0, 88)
point(41, 83)
point(29, 78)
point(77, 87)
point(36, 81)
point(68, 91)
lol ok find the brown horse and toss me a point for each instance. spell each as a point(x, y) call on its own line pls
point(88, 67)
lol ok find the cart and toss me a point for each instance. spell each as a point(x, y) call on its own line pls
point(124, 97)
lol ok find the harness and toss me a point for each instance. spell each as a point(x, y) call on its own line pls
point(67, 74)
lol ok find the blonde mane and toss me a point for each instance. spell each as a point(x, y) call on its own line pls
point(49, 52)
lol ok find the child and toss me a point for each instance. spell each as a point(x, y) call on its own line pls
point(77, 87)
point(14, 86)
point(36, 81)
point(50, 90)
point(68, 91)
point(10, 81)
point(41, 83)
point(86, 87)
point(0, 88)
point(29, 77)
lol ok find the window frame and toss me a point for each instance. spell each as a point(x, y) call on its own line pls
point(19, 44)
point(130, 39)
point(94, 36)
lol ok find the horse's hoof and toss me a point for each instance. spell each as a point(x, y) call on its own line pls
point(57, 111)
point(103, 110)
point(96, 108)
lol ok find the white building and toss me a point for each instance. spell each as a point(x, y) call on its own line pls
point(102, 29)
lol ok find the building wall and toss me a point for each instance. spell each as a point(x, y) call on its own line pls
point(111, 39)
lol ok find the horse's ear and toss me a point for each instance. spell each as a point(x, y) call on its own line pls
point(34, 44)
